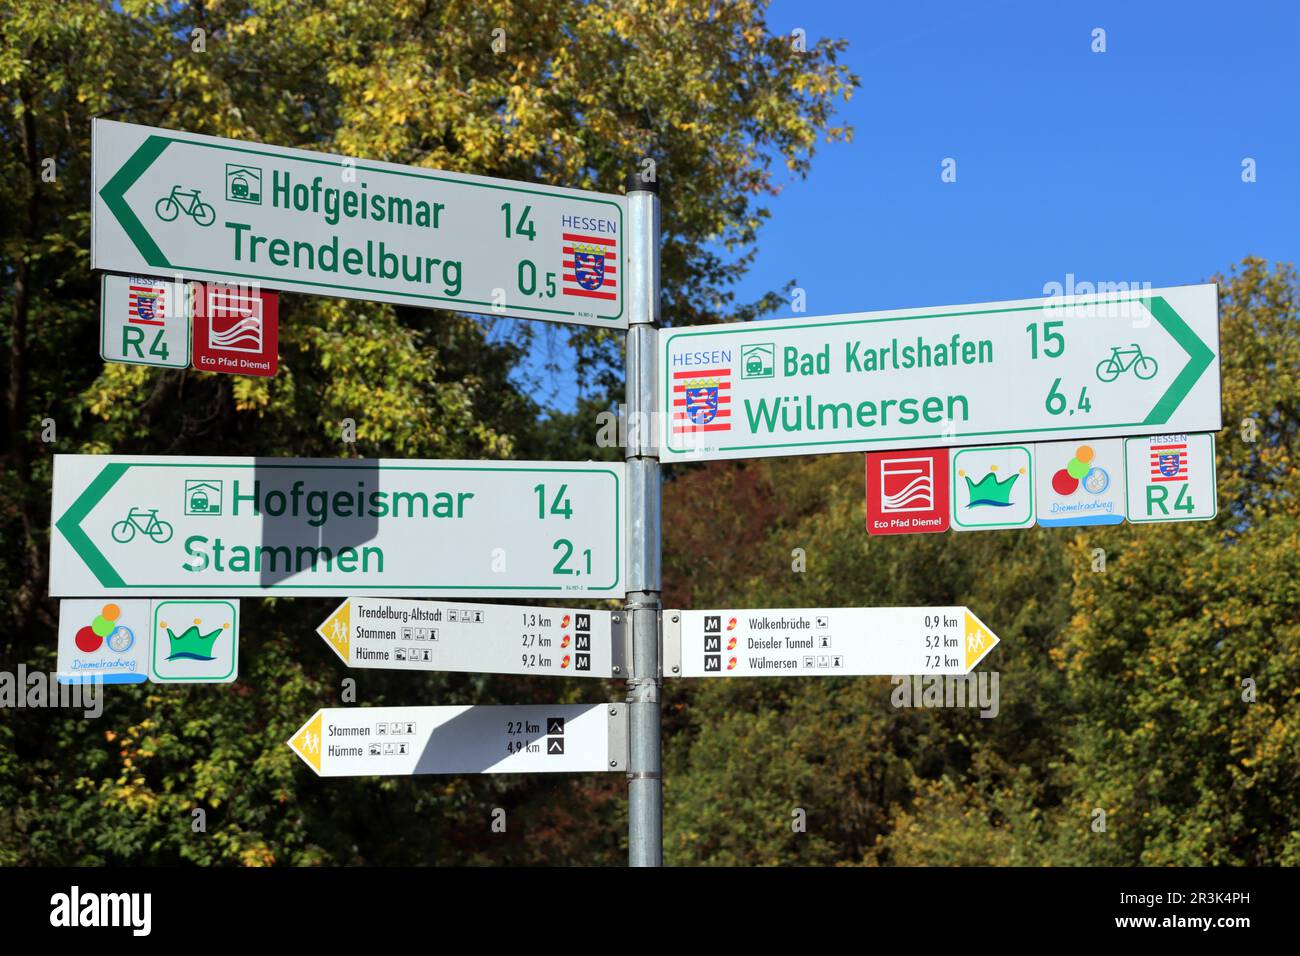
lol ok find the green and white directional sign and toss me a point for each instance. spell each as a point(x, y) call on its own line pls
point(521, 738)
point(126, 525)
point(395, 634)
point(1065, 367)
point(824, 642)
point(168, 203)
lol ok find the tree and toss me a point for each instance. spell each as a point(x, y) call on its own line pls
point(1186, 652)
point(564, 92)
point(1148, 711)
point(839, 748)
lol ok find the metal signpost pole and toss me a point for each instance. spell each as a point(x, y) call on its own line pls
point(645, 793)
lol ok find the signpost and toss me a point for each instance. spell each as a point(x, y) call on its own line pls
point(220, 327)
point(167, 203)
point(1080, 483)
point(127, 525)
point(1068, 410)
point(907, 491)
point(992, 488)
point(999, 373)
point(194, 641)
point(476, 638)
point(824, 642)
point(643, 600)
point(236, 330)
point(1171, 478)
point(104, 641)
point(164, 641)
point(521, 738)
point(144, 321)
point(1054, 484)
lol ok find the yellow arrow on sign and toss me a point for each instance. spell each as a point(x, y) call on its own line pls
point(979, 640)
point(306, 742)
point(337, 630)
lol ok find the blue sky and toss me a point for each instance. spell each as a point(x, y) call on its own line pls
point(1117, 166)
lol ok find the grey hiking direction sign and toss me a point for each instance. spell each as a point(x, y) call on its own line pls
point(395, 634)
point(510, 738)
point(168, 203)
point(156, 526)
point(824, 642)
point(1065, 367)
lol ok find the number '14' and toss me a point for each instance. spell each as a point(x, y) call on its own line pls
point(560, 504)
point(523, 226)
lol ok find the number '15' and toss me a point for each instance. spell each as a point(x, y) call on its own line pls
point(1051, 338)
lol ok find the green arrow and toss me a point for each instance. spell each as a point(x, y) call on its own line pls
point(114, 196)
point(70, 525)
point(1199, 356)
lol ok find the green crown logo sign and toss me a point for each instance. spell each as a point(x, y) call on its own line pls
point(191, 644)
point(990, 491)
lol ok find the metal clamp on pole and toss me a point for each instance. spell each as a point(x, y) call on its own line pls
point(671, 649)
point(645, 690)
point(617, 717)
point(641, 610)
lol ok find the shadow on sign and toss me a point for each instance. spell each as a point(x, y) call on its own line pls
point(319, 518)
point(471, 742)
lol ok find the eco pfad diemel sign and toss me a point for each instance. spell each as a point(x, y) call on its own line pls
point(1139, 363)
point(168, 203)
point(146, 526)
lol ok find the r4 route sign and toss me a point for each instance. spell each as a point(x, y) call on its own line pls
point(131, 526)
point(1171, 478)
point(168, 203)
point(998, 373)
point(144, 321)
point(220, 327)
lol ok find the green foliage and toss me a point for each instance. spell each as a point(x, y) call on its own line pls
point(1121, 692)
point(579, 96)
point(1161, 644)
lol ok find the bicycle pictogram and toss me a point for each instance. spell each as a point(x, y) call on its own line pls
point(146, 522)
point(188, 202)
point(1121, 360)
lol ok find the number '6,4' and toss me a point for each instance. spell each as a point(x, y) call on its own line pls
point(1056, 402)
